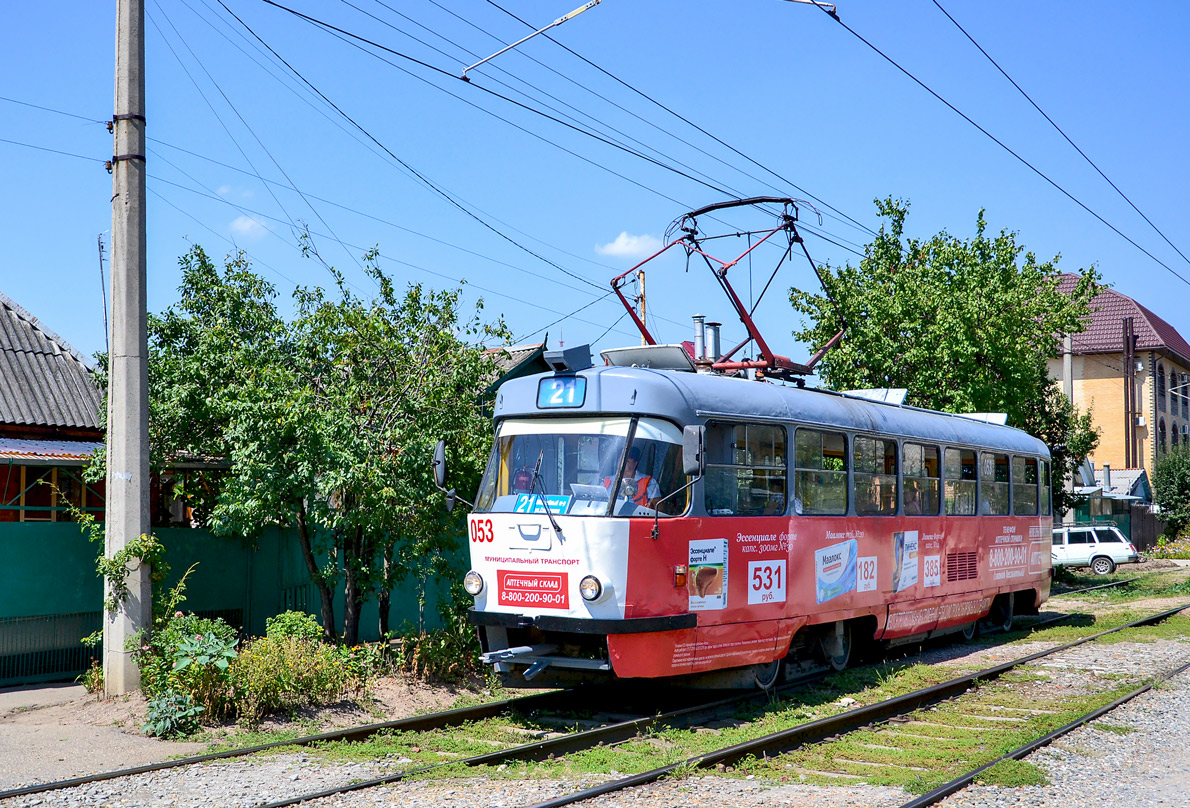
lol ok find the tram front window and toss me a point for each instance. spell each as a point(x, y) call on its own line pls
point(585, 467)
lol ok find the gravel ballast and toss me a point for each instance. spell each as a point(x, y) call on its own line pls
point(1147, 766)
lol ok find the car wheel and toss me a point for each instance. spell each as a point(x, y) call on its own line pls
point(1102, 565)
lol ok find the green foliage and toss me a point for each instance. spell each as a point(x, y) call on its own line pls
point(1167, 548)
point(172, 715)
point(1171, 490)
point(449, 653)
point(157, 656)
point(204, 650)
point(92, 678)
point(292, 624)
point(327, 420)
point(283, 674)
point(964, 326)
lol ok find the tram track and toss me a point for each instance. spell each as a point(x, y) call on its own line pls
point(842, 723)
point(417, 723)
point(957, 784)
point(611, 732)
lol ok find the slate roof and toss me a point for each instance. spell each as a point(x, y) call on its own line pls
point(511, 357)
point(1125, 481)
point(1105, 333)
point(43, 381)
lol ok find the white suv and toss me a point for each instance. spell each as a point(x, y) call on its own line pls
point(1100, 547)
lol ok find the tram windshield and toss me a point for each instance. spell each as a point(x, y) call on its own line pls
point(585, 467)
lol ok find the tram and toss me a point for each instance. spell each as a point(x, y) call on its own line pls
point(644, 522)
point(665, 515)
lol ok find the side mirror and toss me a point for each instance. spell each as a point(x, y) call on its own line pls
point(694, 450)
point(440, 465)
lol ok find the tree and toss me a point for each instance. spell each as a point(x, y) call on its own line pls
point(1171, 489)
point(326, 422)
point(964, 326)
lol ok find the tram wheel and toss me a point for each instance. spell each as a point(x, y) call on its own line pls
point(1000, 616)
point(836, 646)
point(766, 674)
point(970, 631)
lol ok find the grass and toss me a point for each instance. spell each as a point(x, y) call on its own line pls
point(910, 755)
point(1013, 773)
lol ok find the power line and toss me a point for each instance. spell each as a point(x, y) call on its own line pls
point(688, 122)
point(393, 259)
point(441, 192)
point(52, 151)
point(1059, 130)
point(51, 109)
point(251, 131)
point(1002, 145)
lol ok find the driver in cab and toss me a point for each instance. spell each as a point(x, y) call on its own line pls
point(640, 488)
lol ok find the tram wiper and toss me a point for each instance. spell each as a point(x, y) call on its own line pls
point(540, 486)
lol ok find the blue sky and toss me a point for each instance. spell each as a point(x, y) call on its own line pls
point(806, 101)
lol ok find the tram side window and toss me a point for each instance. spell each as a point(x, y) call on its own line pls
point(959, 476)
point(993, 480)
point(1024, 486)
point(875, 463)
point(921, 476)
point(745, 470)
point(820, 472)
point(1043, 477)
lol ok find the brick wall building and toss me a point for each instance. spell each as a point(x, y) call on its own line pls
point(1161, 379)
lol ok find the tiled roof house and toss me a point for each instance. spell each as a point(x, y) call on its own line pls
point(1162, 379)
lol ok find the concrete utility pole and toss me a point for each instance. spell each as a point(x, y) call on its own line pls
point(128, 390)
point(1068, 389)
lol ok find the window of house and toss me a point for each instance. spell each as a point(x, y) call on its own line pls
point(875, 464)
point(820, 472)
point(1173, 394)
point(1161, 436)
point(1024, 486)
point(1043, 481)
point(959, 478)
point(1161, 388)
point(993, 483)
point(1185, 383)
point(745, 470)
point(921, 478)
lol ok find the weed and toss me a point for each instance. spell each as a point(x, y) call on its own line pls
point(172, 715)
point(1115, 729)
point(92, 678)
point(1012, 773)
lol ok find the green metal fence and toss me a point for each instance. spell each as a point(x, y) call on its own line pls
point(50, 594)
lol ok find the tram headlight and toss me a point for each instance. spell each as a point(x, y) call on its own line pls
point(590, 588)
point(473, 583)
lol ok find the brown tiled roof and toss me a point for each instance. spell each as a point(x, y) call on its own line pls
point(43, 381)
point(1105, 332)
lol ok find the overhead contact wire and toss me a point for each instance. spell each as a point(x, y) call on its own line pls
point(1003, 145)
point(1060, 131)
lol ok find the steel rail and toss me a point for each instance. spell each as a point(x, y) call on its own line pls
point(417, 723)
point(562, 745)
point(843, 722)
point(959, 783)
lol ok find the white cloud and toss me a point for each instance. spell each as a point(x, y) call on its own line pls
point(628, 246)
point(246, 227)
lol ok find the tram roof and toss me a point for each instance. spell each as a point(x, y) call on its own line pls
point(691, 398)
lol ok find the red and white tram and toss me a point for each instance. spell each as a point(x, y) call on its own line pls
point(653, 521)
